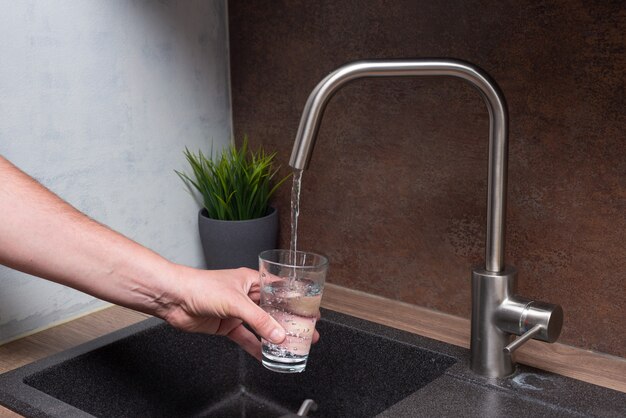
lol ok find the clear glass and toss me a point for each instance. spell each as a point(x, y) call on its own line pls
point(291, 292)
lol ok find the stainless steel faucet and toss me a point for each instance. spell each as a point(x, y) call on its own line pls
point(497, 313)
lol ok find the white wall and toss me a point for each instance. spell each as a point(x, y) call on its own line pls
point(97, 101)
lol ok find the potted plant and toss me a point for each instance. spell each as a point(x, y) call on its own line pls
point(236, 222)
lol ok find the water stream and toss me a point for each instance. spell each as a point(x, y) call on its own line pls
point(295, 212)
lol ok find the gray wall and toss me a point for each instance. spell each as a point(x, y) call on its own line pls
point(97, 101)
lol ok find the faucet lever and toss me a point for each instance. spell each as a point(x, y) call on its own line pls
point(521, 316)
point(519, 341)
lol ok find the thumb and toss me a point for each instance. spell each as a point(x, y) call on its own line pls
point(260, 321)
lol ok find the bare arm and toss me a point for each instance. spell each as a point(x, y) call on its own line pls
point(40, 234)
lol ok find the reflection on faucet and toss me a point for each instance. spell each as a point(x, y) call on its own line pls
point(497, 313)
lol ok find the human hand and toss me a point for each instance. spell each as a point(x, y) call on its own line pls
point(219, 302)
point(75, 251)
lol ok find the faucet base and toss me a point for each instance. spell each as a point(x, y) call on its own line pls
point(498, 314)
point(489, 291)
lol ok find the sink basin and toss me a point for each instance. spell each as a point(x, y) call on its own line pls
point(153, 370)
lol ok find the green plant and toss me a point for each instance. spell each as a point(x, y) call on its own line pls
point(237, 185)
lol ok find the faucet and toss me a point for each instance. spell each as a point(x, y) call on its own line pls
point(497, 312)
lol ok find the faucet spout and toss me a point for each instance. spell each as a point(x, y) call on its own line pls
point(498, 128)
point(497, 313)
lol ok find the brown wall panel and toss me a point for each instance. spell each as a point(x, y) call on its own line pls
point(396, 192)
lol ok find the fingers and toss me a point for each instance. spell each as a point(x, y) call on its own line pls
point(253, 285)
point(246, 340)
point(316, 335)
point(260, 321)
point(255, 296)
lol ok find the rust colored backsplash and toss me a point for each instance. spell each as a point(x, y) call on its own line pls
point(396, 191)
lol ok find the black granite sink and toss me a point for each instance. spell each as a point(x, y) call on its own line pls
point(358, 369)
point(153, 370)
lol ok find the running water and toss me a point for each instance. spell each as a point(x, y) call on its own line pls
point(295, 211)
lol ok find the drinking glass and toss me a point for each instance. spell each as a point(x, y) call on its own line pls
point(291, 292)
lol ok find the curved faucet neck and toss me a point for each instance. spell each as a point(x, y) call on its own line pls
point(498, 128)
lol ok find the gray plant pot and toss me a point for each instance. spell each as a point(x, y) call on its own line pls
point(232, 244)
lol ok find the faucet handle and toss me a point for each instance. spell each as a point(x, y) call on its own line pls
point(530, 319)
point(548, 315)
point(519, 341)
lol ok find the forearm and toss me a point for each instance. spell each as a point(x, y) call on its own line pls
point(40, 234)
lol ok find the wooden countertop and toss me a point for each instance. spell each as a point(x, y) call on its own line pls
point(596, 368)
